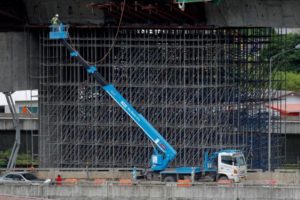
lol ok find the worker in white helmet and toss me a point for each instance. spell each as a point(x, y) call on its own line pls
point(55, 20)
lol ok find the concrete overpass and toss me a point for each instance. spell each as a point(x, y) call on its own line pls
point(20, 18)
point(28, 122)
point(266, 13)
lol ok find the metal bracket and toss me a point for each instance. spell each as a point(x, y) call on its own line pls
point(181, 3)
point(15, 150)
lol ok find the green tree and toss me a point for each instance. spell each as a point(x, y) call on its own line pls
point(289, 61)
point(23, 159)
point(287, 64)
point(292, 80)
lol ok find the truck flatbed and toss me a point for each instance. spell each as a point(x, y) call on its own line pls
point(186, 170)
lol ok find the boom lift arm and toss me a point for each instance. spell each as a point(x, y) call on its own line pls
point(163, 153)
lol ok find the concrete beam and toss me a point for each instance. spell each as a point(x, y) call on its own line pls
point(29, 122)
point(70, 11)
point(258, 13)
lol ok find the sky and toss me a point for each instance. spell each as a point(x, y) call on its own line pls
point(20, 95)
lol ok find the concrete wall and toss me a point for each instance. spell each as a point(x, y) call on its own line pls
point(156, 191)
point(291, 127)
point(276, 13)
point(278, 177)
point(18, 61)
point(270, 13)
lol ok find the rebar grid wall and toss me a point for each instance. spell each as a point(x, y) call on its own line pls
point(250, 51)
point(203, 89)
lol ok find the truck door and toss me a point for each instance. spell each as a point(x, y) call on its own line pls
point(225, 165)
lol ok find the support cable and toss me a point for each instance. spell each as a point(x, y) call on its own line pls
point(114, 40)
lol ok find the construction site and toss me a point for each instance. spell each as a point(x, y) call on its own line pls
point(180, 80)
point(166, 88)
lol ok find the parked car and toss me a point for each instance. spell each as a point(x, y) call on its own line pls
point(22, 177)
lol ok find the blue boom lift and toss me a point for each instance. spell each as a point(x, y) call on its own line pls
point(163, 152)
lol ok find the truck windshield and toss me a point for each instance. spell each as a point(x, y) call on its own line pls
point(236, 160)
point(239, 160)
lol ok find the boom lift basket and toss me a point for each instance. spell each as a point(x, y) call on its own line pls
point(59, 32)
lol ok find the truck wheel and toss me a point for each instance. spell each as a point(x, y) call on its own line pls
point(223, 178)
point(169, 179)
point(149, 176)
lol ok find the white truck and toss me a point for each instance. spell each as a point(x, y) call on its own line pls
point(220, 165)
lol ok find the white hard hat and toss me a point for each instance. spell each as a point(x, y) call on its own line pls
point(56, 15)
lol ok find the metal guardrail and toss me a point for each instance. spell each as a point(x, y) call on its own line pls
point(73, 169)
point(77, 172)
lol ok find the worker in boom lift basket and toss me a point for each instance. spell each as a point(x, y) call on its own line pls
point(55, 20)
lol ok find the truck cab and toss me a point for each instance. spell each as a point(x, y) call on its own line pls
point(231, 165)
